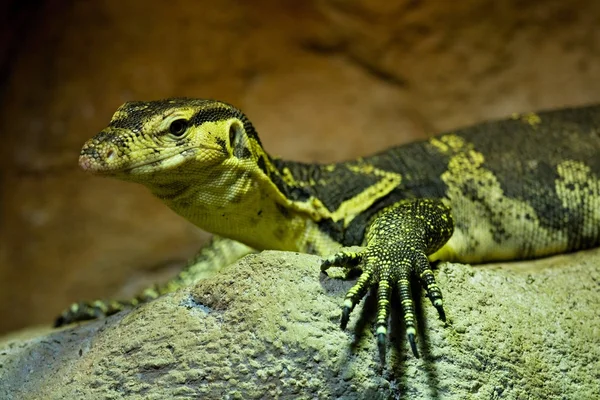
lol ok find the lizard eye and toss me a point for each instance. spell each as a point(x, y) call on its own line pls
point(178, 127)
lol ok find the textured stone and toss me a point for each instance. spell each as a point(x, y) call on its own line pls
point(267, 327)
point(322, 80)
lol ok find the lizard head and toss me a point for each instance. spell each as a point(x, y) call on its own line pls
point(204, 160)
point(151, 141)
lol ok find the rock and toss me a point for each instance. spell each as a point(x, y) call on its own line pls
point(322, 80)
point(267, 327)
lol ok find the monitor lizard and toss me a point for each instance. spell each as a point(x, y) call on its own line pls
point(523, 187)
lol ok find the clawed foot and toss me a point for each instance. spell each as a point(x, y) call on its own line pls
point(398, 242)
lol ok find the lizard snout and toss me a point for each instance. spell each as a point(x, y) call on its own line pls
point(98, 158)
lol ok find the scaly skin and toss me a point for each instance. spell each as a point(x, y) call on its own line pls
point(520, 188)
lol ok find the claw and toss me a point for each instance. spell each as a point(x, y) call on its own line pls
point(383, 311)
point(345, 317)
point(433, 291)
point(441, 312)
point(381, 345)
point(413, 344)
point(325, 265)
point(345, 258)
point(60, 321)
point(354, 295)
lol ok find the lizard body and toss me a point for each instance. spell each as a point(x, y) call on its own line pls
point(519, 188)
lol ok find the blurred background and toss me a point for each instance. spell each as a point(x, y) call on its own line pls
point(322, 80)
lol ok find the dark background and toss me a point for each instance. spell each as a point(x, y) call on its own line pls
point(322, 80)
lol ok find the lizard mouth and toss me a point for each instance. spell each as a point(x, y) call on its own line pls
point(108, 161)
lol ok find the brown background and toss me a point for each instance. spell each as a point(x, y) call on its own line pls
point(322, 80)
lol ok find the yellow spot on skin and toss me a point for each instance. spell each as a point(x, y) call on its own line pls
point(448, 143)
point(381, 330)
point(579, 189)
point(455, 142)
point(440, 145)
point(288, 177)
point(531, 119)
point(354, 206)
point(474, 242)
point(150, 293)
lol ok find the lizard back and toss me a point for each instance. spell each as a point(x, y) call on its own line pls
point(523, 187)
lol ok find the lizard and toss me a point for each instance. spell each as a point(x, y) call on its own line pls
point(523, 187)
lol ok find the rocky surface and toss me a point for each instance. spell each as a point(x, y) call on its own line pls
point(267, 327)
point(321, 79)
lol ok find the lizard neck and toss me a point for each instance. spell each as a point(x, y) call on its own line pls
point(245, 200)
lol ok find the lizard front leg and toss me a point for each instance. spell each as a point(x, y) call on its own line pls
point(219, 253)
point(397, 243)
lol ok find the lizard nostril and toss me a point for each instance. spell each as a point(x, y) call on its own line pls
point(110, 154)
point(84, 162)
